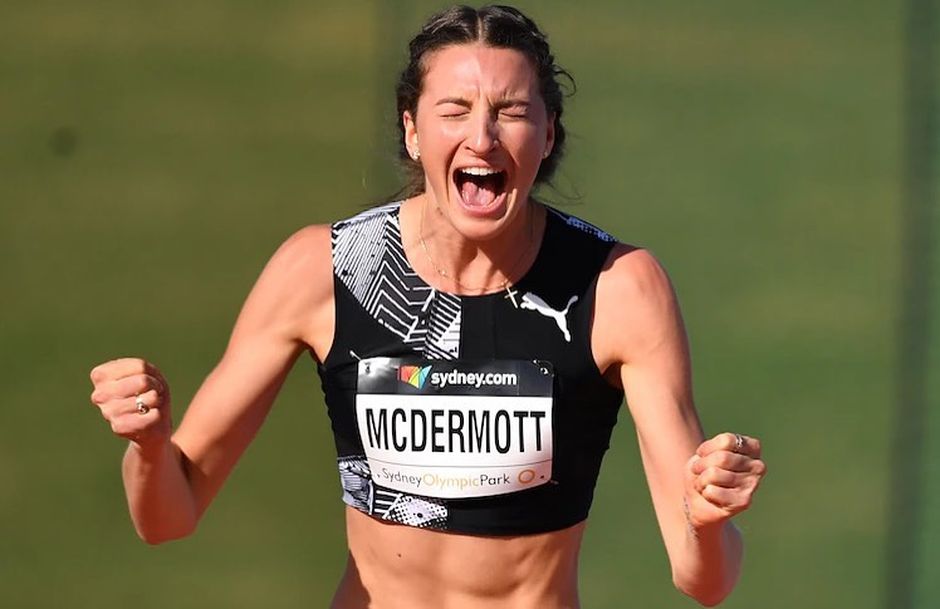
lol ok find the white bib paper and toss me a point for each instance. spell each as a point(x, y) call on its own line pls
point(456, 429)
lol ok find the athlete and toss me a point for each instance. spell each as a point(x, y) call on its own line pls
point(474, 347)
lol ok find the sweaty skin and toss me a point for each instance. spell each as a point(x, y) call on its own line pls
point(487, 113)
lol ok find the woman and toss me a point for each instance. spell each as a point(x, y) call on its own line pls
point(474, 347)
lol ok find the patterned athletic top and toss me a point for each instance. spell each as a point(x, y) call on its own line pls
point(474, 414)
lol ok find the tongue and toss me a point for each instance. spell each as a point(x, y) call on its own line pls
point(478, 192)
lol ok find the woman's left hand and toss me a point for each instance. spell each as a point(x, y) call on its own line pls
point(721, 478)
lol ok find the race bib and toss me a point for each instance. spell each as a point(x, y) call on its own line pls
point(455, 429)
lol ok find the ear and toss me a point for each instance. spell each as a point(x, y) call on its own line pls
point(411, 132)
point(549, 136)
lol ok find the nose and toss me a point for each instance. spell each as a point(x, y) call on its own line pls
point(483, 135)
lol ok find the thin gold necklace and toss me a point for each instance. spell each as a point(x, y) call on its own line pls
point(504, 285)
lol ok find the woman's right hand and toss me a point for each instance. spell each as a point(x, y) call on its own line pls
point(118, 386)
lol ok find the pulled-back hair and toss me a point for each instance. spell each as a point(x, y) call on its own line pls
point(494, 26)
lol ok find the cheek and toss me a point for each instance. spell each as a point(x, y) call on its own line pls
point(529, 146)
point(438, 142)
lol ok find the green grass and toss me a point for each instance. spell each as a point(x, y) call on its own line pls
point(754, 148)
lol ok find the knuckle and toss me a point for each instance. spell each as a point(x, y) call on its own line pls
point(156, 384)
point(151, 398)
point(118, 427)
point(105, 370)
point(759, 467)
point(724, 459)
point(752, 485)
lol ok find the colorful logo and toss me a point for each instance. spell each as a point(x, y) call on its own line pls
point(415, 376)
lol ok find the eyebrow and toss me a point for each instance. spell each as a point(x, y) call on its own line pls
point(505, 103)
point(453, 100)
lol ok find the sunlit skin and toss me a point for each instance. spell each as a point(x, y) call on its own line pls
point(479, 107)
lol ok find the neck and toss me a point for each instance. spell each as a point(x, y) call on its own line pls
point(451, 261)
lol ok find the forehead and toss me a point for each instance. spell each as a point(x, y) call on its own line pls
point(473, 69)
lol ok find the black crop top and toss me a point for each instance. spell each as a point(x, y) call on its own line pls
point(488, 458)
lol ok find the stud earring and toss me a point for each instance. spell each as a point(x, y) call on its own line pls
point(415, 154)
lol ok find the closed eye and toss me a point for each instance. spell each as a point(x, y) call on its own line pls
point(514, 109)
point(452, 110)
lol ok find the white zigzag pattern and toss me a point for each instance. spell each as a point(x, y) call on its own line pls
point(368, 257)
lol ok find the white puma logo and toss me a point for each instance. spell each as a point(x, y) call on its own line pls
point(534, 303)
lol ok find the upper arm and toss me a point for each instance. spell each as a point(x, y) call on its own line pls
point(288, 309)
point(644, 346)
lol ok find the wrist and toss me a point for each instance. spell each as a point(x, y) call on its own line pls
point(704, 531)
point(153, 448)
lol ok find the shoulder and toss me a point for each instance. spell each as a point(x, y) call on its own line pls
point(636, 304)
point(302, 255)
point(635, 274)
point(293, 295)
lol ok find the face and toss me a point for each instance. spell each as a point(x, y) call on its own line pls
point(482, 131)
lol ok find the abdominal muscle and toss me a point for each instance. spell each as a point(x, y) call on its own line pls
point(395, 566)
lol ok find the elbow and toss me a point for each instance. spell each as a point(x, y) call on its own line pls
point(710, 577)
point(159, 537)
point(711, 601)
point(707, 597)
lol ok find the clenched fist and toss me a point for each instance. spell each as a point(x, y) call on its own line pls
point(134, 398)
point(721, 478)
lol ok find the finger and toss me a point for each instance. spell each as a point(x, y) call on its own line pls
point(150, 400)
point(732, 500)
point(701, 511)
point(147, 401)
point(119, 368)
point(133, 425)
point(126, 387)
point(724, 460)
point(718, 477)
point(729, 442)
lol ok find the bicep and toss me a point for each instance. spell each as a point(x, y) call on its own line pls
point(233, 401)
point(651, 350)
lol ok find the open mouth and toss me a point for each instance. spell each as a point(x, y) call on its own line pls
point(480, 187)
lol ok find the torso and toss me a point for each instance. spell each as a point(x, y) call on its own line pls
point(391, 565)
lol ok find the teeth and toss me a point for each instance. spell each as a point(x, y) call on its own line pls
point(478, 171)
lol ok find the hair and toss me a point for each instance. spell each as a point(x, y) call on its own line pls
point(494, 26)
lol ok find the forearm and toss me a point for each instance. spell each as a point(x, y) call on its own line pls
point(159, 495)
point(710, 564)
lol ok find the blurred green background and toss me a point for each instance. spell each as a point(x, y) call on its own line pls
point(153, 156)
